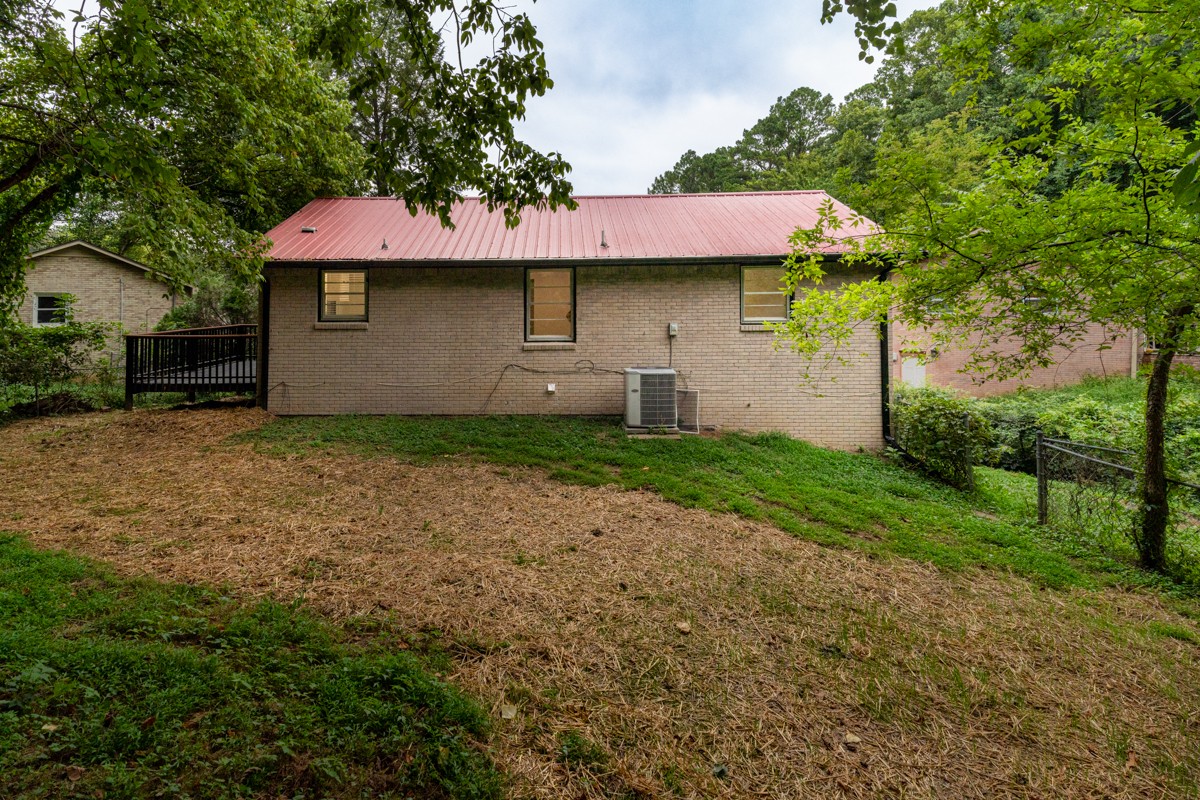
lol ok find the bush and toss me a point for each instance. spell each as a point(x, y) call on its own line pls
point(41, 356)
point(216, 301)
point(1108, 413)
point(944, 432)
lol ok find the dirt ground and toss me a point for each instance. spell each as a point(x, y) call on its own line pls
point(627, 647)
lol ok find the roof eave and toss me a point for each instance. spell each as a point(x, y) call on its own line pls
point(129, 262)
point(284, 263)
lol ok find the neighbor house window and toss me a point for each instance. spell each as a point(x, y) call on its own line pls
point(550, 305)
point(1038, 304)
point(343, 296)
point(765, 298)
point(50, 309)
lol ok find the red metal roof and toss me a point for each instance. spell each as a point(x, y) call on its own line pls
point(665, 226)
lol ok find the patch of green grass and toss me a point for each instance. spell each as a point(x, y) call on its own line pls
point(576, 750)
point(99, 395)
point(854, 500)
point(128, 689)
point(1170, 631)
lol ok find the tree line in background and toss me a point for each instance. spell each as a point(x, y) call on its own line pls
point(916, 102)
point(176, 132)
point(1034, 166)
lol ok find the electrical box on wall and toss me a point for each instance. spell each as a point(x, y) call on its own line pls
point(672, 329)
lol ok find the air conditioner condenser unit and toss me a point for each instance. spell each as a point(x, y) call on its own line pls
point(650, 398)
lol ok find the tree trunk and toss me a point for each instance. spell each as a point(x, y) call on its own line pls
point(1152, 541)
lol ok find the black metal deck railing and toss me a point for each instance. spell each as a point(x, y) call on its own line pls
point(217, 359)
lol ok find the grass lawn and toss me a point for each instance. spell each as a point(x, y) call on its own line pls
point(121, 688)
point(847, 629)
point(845, 499)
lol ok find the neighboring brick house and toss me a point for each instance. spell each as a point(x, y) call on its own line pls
point(368, 309)
point(106, 287)
point(1101, 352)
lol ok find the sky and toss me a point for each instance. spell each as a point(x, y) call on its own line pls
point(637, 83)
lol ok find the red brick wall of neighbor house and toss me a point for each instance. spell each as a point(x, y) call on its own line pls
point(105, 290)
point(438, 340)
point(1072, 364)
point(1188, 360)
point(1191, 360)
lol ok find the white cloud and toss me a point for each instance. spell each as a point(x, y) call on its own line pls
point(637, 84)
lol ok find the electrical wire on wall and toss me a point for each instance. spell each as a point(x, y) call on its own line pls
point(584, 366)
point(589, 369)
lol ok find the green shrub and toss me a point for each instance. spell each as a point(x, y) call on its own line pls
point(41, 356)
point(217, 300)
point(944, 431)
point(1109, 413)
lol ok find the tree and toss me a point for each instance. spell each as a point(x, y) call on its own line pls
point(718, 171)
point(1073, 221)
point(387, 88)
point(795, 125)
point(217, 116)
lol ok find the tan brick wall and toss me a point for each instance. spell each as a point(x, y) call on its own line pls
point(105, 290)
point(438, 342)
point(1072, 364)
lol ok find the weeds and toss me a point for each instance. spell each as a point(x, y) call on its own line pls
point(116, 688)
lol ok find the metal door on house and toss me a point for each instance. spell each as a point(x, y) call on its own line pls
point(912, 372)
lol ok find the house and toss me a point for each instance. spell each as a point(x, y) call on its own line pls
point(1100, 352)
point(102, 287)
point(369, 309)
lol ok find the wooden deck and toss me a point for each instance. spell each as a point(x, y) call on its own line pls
point(219, 359)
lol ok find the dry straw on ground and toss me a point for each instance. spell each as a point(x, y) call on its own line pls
point(641, 649)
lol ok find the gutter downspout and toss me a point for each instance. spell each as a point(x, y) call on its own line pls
point(264, 341)
point(885, 373)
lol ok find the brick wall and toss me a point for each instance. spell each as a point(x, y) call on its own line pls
point(1071, 365)
point(438, 341)
point(105, 290)
point(1190, 360)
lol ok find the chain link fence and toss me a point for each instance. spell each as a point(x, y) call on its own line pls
point(1090, 493)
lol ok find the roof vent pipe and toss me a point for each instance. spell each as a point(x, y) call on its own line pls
point(308, 229)
point(385, 245)
point(603, 241)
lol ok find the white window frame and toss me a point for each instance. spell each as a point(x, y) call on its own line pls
point(742, 299)
point(66, 308)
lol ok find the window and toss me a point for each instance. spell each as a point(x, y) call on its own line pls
point(343, 296)
point(50, 309)
point(765, 298)
point(1036, 303)
point(550, 305)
